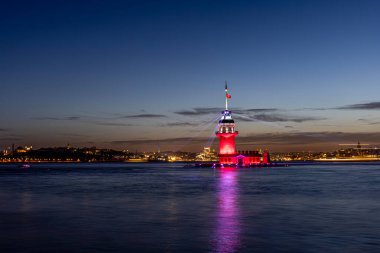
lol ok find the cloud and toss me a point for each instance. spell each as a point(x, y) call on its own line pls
point(183, 124)
point(255, 110)
point(314, 109)
point(11, 138)
point(101, 121)
point(146, 115)
point(4, 130)
point(69, 118)
point(275, 118)
point(112, 124)
point(284, 118)
point(198, 111)
point(244, 118)
point(74, 135)
point(365, 106)
point(248, 115)
point(370, 122)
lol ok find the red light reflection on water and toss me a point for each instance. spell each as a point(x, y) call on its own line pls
point(227, 234)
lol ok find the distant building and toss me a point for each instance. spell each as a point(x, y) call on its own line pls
point(207, 154)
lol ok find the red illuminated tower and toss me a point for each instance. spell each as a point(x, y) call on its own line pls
point(226, 134)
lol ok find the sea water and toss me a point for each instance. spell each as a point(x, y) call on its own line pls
point(165, 207)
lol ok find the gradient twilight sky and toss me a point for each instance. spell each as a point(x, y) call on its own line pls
point(303, 75)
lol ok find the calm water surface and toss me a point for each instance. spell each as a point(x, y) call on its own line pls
point(168, 208)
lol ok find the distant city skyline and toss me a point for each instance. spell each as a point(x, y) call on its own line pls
point(149, 75)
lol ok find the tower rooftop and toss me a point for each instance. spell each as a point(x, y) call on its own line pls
point(226, 117)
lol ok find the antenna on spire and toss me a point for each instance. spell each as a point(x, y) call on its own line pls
point(226, 90)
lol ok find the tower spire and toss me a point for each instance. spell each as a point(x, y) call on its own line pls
point(226, 90)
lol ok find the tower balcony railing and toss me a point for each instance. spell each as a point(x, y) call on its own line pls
point(225, 132)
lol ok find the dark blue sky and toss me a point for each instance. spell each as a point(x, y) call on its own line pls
point(128, 74)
